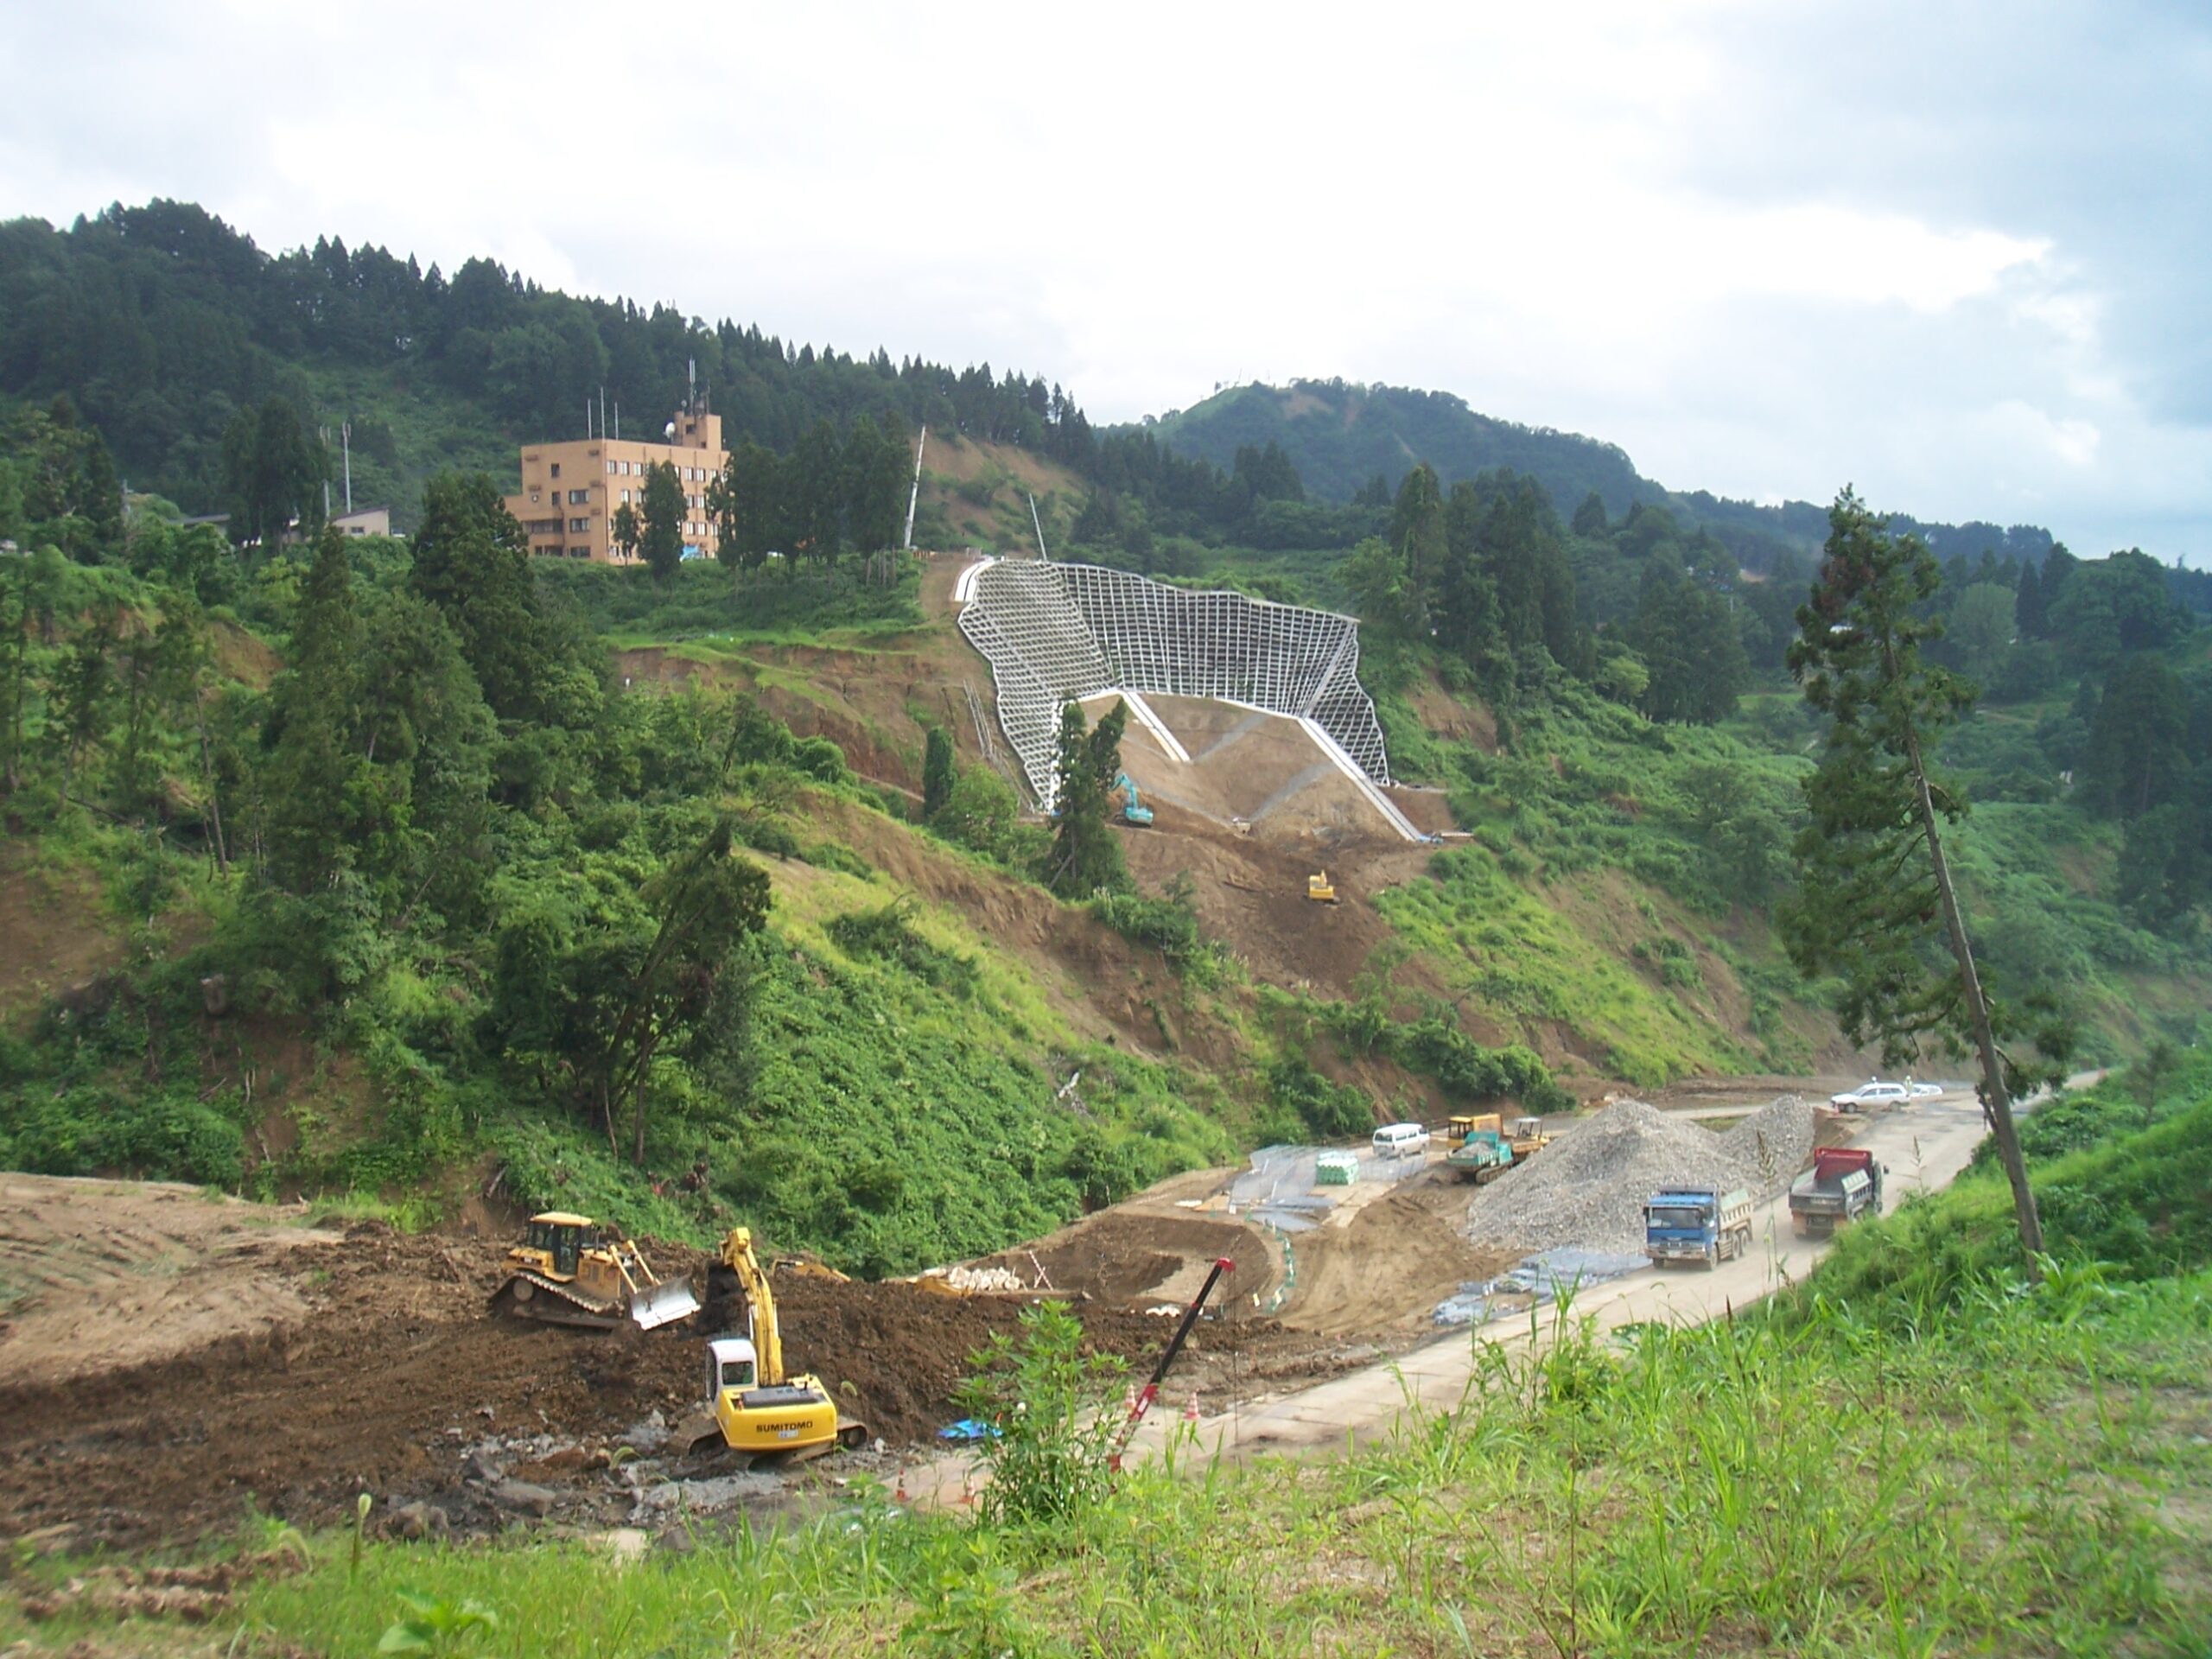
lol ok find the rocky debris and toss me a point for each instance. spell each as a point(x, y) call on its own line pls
point(191, 1595)
point(1588, 1187)
point(700, 1496)
point(524, 1495)
point(417, 1521)
point(649, 1434)
point(988, 1280)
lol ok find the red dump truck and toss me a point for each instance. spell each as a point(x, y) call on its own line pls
point(1843, 1183)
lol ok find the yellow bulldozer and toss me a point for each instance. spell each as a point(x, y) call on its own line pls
point(569, 1270)
point(1528, 1138)
point(753, 1406)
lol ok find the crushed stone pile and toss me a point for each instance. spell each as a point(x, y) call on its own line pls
point(1588, 1187)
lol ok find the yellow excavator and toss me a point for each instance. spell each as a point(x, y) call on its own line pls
point(1320, 889)
point(569, 1270)
point(752, 1406)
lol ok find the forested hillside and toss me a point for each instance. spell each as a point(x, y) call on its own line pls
point(164, 325)
point(686, 892)
point(1350, 443)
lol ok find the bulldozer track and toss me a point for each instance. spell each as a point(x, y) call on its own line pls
point(567, 1307)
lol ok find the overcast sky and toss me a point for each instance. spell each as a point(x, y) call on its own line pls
point(1956, 253)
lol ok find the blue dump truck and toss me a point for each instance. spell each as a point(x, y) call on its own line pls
point(1697, 1224)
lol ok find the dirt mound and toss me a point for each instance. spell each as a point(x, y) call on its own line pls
point(1389, 1262)
point(1120, 1255)
point(1588, 1188)
point(97, 1274)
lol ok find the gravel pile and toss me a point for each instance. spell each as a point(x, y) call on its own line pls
point(1588, 1187)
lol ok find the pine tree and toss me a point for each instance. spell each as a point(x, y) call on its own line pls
point(1589, 518)
point(2138, 757)
point(817, 493)
point(472, 561)
point(662, 540)
point(2027, 604)
point(316, 774)
point(1877, 892)
point(1418, 539)
point(1085, 857)
point(623, 531)
point(938, 771)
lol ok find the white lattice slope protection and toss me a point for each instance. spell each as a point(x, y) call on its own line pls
point(1055, 631)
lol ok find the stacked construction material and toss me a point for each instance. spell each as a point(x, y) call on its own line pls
point(1589, 1187)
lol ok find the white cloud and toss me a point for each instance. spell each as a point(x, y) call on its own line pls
point(1941, 250)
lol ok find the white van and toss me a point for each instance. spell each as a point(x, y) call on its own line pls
point(1401, 1141)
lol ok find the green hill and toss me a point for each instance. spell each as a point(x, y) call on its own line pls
point(163, 325)
point(1343, 436)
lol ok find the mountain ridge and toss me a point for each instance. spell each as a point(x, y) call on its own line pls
point(1340, 435)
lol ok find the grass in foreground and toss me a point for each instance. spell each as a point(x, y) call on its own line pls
point(2028, 1473)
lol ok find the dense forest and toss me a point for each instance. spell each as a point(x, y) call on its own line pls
point(165, 326)
point(1347, 442)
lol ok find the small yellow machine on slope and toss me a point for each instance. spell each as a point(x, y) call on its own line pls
point(569, 1270)
point(1320, 889)
point(752, 1406)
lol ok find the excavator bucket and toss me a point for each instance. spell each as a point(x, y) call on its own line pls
point(655, 1305)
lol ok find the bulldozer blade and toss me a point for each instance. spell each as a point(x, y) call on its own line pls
point(658, 1305)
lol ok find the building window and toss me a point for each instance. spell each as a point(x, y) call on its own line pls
point(556, 469)
point(613, 467)
point(577, 498)
point(579, 526)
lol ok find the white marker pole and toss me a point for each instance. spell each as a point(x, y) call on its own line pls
point(914, 495)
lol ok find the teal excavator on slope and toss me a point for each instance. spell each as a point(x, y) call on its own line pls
point(1133, 810)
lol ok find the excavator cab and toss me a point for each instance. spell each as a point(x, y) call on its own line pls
point(731, 1364)
point(1133, 810)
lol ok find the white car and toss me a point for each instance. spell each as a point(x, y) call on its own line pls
point(1871, 1093)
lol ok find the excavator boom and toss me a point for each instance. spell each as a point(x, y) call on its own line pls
point(754, 1406)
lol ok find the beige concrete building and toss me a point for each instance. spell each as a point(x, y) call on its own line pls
point(570, 491)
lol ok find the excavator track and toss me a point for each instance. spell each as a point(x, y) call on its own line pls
point(528, 1295)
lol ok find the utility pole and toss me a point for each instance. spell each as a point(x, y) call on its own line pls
point(322, 437)
point(914, 495)
point(346, 449)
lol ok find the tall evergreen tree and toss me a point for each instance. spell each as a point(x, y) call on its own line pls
point(2138, 757)
point(316, 795)
point(1419, 543)
point(938, 771)
point(1085, 857)
point(661, 541)
point(816, 471)
point(472, 561)
point(2027, 603)
point(1589, 518)
point(1877, 891)
point(273, 472)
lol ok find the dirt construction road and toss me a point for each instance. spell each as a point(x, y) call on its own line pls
point(1923, 1145)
